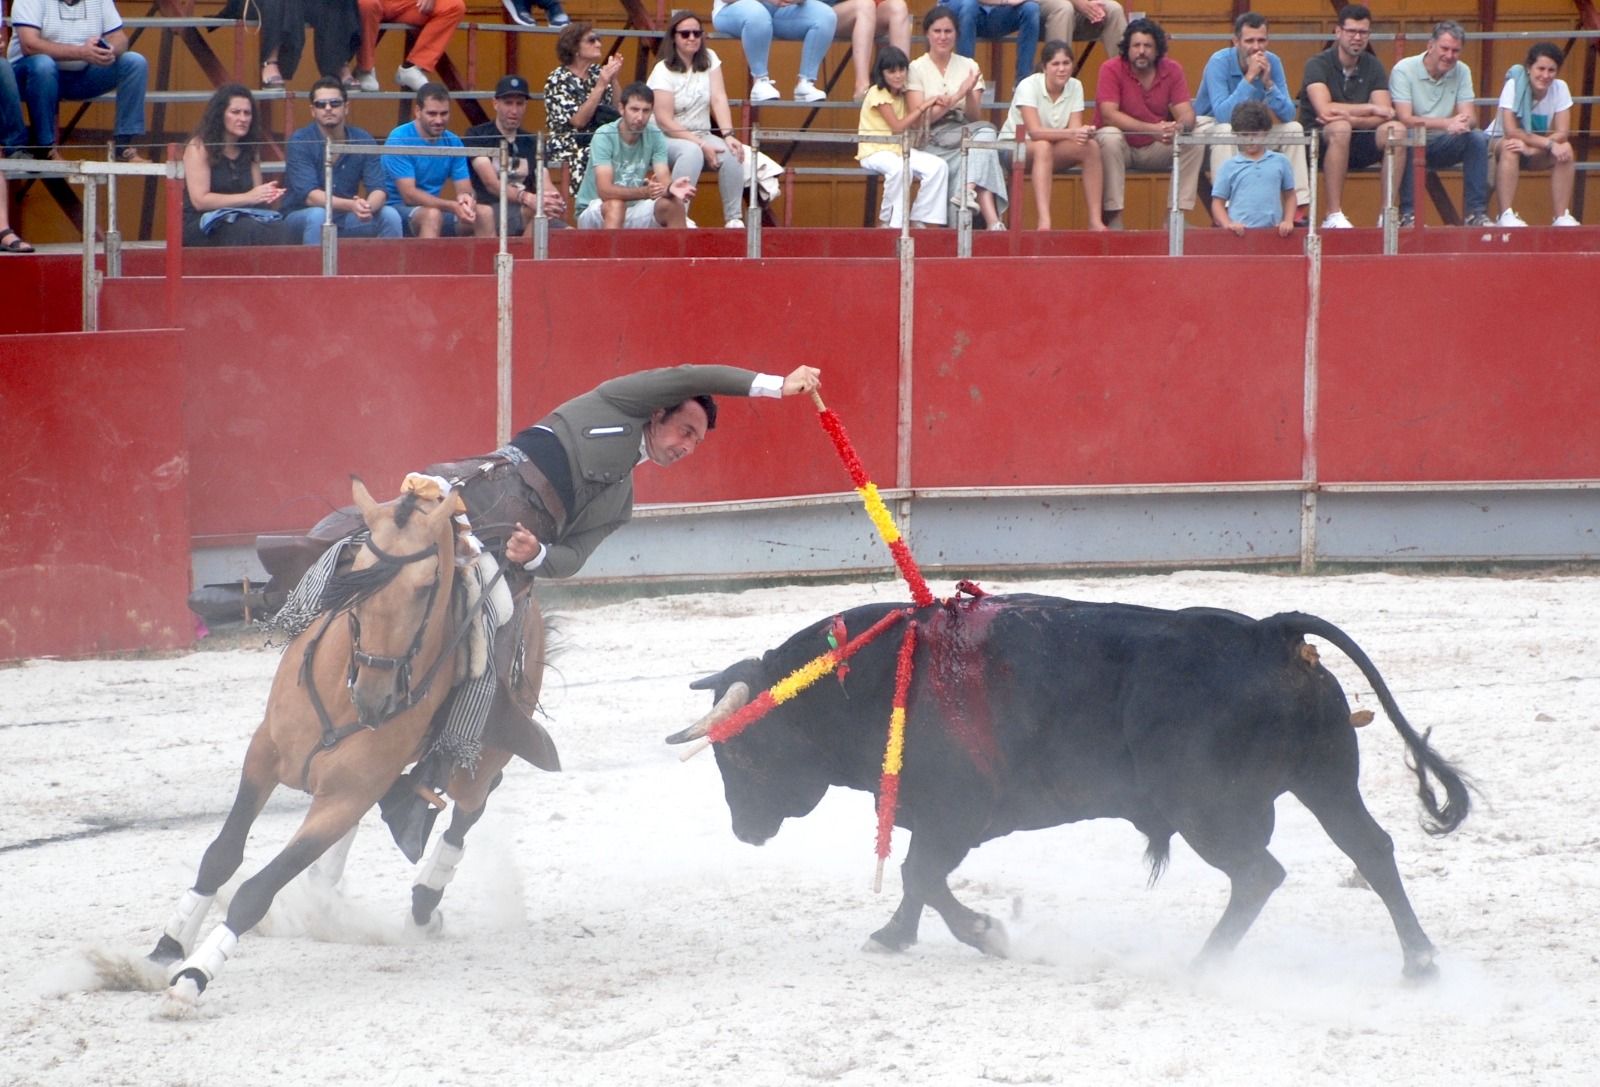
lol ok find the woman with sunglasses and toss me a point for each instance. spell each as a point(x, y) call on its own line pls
point(225, 202)
point(690, 94)
point(756, 22)
point(950, 87)
point(579, 97)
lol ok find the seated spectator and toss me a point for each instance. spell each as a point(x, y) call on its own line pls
point(1247, 71)
point(1019, 17)
point(522, 199)
point(1142, 102)
point(756, 22)
point(1433, 91)
point(579, 97)
point(280, 27)
point(13, 132)
point(225, 202)
point(1049, 107)
point(1346, 97)
point(416, 182)
point(948, 87)
point(884, 112)
point(438, 20)
point(861, 23)
point(1255, 188)
point(1085, 21)
point(354, 215)
point(628, 185)
point(521, 12)
point(76, 51)
point(1532, 129)
point(690, 94)
point(10, 241)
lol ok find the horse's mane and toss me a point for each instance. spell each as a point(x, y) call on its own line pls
point(350, 587)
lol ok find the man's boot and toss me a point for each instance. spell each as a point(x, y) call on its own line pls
point(412, 803)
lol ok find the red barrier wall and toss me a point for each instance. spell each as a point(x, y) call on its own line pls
point(94, 533)
point(1108, 371)
point(41, 294)
point(1466, 369)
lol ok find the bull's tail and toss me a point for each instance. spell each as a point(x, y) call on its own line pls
point(1423, 760)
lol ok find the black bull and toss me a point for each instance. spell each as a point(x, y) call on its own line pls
point(1031, 711)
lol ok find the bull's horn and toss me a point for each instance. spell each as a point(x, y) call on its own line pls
point(731, 702)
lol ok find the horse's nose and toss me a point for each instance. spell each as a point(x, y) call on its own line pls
point(374, 701)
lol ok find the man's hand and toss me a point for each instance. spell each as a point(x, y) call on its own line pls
point(467, 207)
point(99, 55)
point(1514, 145)
point(1458, 124)
point(1285, 227)
point(1094, 9)
point(522, 546)
point(1258, 68)
point(805, 379)
point(1560, 152)
point(362, 209)
point(1166, 130)
point(609, 70)
point(682, 188)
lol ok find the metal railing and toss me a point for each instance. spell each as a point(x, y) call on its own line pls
point(752, 221)
point(1175, 214)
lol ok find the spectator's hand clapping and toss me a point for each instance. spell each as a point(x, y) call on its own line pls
point(269, 192)
point(609, 70)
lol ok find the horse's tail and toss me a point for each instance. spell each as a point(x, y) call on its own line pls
point(1423, 760)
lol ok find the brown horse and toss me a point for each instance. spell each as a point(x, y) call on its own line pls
point(344, 717)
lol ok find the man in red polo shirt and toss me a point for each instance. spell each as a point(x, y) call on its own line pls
point(1142, 101)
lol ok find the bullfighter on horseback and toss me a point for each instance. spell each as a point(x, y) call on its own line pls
point(545, 501)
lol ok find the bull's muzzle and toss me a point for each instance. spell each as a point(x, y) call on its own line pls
point(732, 700)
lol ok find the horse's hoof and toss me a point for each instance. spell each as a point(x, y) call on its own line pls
point(167, 951)
point(182, 996)
point(1421, 970)
point(432, 927)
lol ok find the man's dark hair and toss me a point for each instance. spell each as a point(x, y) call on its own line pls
point(1544, 49)
point(435, 92)
point(706, 401)
point(1251, 117)
point(1250, 19)
point(328, 83)
point(937, 12)
point(636, 90)
point(1144, 26)
point(1354, 13)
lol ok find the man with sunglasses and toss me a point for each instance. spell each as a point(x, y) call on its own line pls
point(1346, 98)
point(77, 50)
point(354, 215)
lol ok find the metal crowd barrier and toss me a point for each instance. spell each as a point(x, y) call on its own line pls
point(752, 219)
point(964, 212)
point(1175, 219)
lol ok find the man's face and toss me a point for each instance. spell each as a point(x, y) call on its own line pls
point(1142, 52)
point(509, 109)
point(1443, 52)
point(431, 117)
point(636, 114)
point(1353, 37)
point(669, 437)
point(327, 108)
point(1250, 41)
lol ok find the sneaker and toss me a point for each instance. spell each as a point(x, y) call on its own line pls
point(1407, 219)
point(1565, 219)
point(734, 224)
point(1337, 220)
point(763, 90)
point(998, 224)
point(1507, 218)
point(557, 16)
point(366, 81)
point(518, 10)
point(1479, 219)
point(409, 77)
point(807, 91)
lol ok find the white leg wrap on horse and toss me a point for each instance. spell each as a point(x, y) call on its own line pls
point(187, 918)
point(209, 956)
point(440, 867)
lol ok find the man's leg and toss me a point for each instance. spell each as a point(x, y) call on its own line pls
point(1475, 171)
point(1336, 137)
point(1113, 172)
point(306, 223)
point(132, 75)
point(966, 13)
point(1057, 18)
point(13, 132)
point(665, 211)
point(39, 87)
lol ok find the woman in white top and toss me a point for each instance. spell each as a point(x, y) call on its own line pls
point(687, 81)
point(1532, 129)
point(1049, 107)
point(951, 86)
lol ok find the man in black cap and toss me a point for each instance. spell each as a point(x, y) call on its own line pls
point(522, 194)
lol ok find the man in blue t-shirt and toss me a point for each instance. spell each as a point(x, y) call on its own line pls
point(416, 182)
point(354, 215)
point(627, 184)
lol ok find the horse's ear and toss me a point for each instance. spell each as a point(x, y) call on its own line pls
point(364, 500)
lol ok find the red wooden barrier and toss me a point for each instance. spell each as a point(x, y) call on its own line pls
point(94, 534)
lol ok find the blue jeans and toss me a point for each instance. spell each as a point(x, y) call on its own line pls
point(307, 222)
point(810, 22)
point(975, 20)
point(1468, 149)
point(13, 134)
point(43, 86)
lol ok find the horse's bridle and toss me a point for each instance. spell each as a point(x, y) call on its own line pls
point(401, 666)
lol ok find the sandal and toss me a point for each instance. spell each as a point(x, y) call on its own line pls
point(11, 242)
point(275, 79)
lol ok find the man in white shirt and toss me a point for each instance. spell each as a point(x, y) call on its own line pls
point(76, 49)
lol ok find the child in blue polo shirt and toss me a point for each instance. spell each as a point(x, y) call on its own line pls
point(1255, 188)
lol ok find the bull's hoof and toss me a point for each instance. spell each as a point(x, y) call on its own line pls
point(879, 944)
point(167, 951)
point(989, 936)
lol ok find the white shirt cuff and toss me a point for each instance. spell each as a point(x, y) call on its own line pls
point(767, 385)
point(535, 562)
